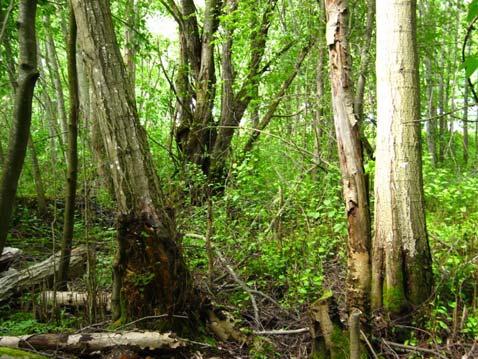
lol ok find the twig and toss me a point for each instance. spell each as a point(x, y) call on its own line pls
point(242, 285)
point(413, 349)
point(369, 344)
point(282, 331)
point(95, 325)
point(151, 317)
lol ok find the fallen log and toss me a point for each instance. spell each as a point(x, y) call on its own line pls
point(94, 342)
point(8, 256)
point(41, 273)
point(75, 299)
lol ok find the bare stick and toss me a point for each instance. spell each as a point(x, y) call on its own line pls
point(282, 331)
point(242, 285)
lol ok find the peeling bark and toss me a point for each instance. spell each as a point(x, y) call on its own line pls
point(354, 182)
point(92, 342)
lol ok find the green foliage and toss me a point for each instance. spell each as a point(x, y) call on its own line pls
point(22, 323)
point(12, 353)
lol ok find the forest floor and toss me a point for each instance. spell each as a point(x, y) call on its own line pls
point(446, 333)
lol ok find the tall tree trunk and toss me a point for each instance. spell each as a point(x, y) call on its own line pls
point(432, 113)
point(52, 62)
point(363, 71)
point(150, 274)
point(465, 123)
point(442, 108)
point(196, 133)
point(317, 122)
point(27, 77)
point(130, 38)
point(72, 164)
point(401, 259)
point(354, 181)
point(39, 187)
point(234, 105)
point(271, 109)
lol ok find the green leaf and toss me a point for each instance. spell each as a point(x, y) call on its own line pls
point(472, 10)
point(470, 65)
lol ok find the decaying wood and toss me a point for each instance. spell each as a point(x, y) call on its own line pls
point(354, 331)
point(92, 342)
point(8, 256)
point(75, 299)
point(354, 180)
point(41, 273)
point(330, 339)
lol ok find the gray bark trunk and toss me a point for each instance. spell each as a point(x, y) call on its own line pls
point(20, 132)
point(149, 272)
point(401, 264)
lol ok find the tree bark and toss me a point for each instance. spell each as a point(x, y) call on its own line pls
point(432, 113)
point(442, 109)
point(234, 105)
point(196, 132)
point(39, 187)
point(72, 164)
point(20, 132)
point(465, 123)
point(8, 256)
point(76, 299)
point(401, 265)
point(354, 182)
point(130, 38)
point(150, 274)
point(363, 71)
point(92, 342)
point(271, 109)
point(52, 61)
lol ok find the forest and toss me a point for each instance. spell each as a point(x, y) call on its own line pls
point(238, 179)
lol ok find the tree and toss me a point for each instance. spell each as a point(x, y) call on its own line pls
point(150, 274)
point(401, 259)
point(72, 164)
point(20, 132)
point(354, 182)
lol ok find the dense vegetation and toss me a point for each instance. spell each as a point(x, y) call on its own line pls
point(205, 139)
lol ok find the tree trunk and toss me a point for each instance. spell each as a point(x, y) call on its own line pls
point(196, 133)
point(150, 274)
point(363, 71)
point(271, 109)
point(234, 105)
point(20, 132)
point(465, 123)
point(76, 299)
point(317, 122)
point(442, 104)
point(41, 273)
point(401, 263)
point(39, 187)
point(130, 38)
point(8, 256)
point(54, 67)
point(92, 342)
point(354, 181)
point(72, 164)
point(432, 113)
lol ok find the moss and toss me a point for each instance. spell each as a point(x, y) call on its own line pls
point(17, 353)
point(394, 299)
